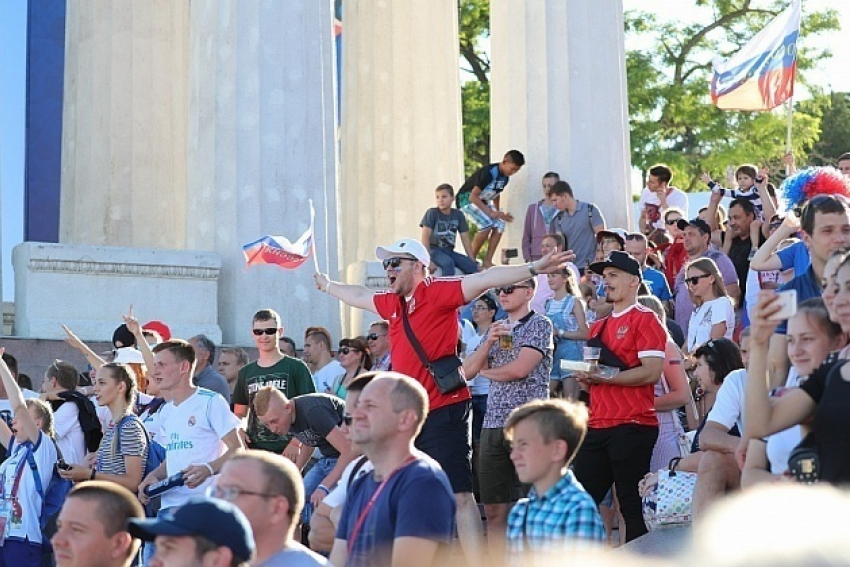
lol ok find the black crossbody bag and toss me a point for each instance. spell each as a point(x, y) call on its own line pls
point(447, 371)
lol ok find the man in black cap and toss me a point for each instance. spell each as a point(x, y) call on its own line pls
point(623, 425)
point(697, 235)
point(204, 531)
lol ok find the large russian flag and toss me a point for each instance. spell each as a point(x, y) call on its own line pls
point(761, 75)
point(278, 250)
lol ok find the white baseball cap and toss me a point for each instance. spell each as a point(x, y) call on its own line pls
point(404, 246)
point(128, 355)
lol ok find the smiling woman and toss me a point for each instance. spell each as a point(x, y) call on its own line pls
point(713, 316)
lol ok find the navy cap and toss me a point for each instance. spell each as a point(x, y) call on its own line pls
point(697, 223)
point(620, 260)
point(217, 520)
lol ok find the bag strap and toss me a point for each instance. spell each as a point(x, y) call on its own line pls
point(417, 346)
point(358, 464)
point(39, 488)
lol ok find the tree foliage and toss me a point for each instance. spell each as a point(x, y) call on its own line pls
point(672, 117)
point(833, 111)
point(474, 27)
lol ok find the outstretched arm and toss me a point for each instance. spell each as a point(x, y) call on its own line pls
point(476, 284)
point(354, 295)
point(92, 357)
point(16, 400)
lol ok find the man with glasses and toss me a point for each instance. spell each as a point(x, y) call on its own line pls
point(696, 237)
point(272, 368)
point(314, 420)
point(267, 488)
point(379, 344)
point(518, 373)
point(430, 305)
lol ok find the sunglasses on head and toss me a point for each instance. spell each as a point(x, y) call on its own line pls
point(395, 262)
point(509, 289)
point(346, 350)
point(347, 419)
point(694, 280)
point(373, 336)
point(261, 332)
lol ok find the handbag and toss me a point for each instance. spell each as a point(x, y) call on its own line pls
point(804, 461)
point(447, 371)
point(669, 501)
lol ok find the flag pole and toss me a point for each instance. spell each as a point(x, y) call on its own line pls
point(790, 116)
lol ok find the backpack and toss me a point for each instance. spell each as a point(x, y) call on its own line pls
point(89, 422)
point(52, 498)
point(156, 452)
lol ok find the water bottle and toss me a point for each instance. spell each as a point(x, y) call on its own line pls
point(158, 488)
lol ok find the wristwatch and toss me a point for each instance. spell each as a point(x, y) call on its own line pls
point(531, 269)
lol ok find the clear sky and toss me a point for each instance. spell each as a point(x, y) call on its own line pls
point(832, 75)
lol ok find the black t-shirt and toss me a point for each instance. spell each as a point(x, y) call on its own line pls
point(831, 423)
point(316, 415)
point(739, 253)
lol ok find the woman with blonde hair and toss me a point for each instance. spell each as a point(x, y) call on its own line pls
point(714, 315)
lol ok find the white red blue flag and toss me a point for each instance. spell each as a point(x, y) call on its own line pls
point(761, 75)
point(278, 250)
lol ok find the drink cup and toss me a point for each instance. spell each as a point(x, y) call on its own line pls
point(506, 342)
point(591, 355)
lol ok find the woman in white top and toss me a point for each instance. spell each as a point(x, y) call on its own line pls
point(713, 316)
point(811, 337)
point(483, 314)
point(20, 503)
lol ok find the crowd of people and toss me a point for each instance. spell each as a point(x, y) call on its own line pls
point(554, 393)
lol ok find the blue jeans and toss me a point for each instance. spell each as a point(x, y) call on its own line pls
point(312, 480)
point(448, 260)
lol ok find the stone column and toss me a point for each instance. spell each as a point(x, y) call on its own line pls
point(124, 123)
point(261, 143)
point(558, 94)
point(400, 131)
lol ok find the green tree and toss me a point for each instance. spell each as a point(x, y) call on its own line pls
point(833, 110)
point(474, 26)
point(672, 117)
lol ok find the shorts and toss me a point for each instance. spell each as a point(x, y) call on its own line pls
point(497, 478)
point(446, 437)
point(481, 220)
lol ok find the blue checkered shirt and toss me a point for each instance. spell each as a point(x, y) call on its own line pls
point(564, 519)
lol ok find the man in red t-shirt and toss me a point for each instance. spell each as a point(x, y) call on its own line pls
point(432, 305)
point(623, 426)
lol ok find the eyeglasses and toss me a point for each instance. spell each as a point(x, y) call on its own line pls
point(671, 222)
point(374, 336)
point(509, 289)
point(394, 263)
point(694, 280)
point(346, 350)
point(347, 419)
point(261, 332)
point(231, 493)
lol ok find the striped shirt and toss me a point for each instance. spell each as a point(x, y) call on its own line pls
point(133, 444)
point(565, 519)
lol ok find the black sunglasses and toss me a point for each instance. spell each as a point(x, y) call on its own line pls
point(671, 222)
point(373, 336)
point(509, 289)
point(261, 332)
point(346, 350)
point(395, 262)
point(694, 280)
point(347, 419)
point(635, 236)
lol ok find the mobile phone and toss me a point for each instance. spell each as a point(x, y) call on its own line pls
point(62, 465)
point(788, 305)
point(511, 253)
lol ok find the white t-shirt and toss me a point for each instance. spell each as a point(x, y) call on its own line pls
point(192, 434)
point(44, 452)
point(69, 434)
point(325, 376)
point(705, 317)
point(676, 198)
point(780, 445)
point(728, 407)
point(478, 386)
point(338, 494)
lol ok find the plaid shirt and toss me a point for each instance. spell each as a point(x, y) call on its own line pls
point(564, 519)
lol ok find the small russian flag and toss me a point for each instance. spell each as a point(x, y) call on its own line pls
point(278, 250)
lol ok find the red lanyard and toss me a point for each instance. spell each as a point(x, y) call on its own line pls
point(368, 508)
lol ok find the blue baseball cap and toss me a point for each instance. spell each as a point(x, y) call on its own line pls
point(217, 520)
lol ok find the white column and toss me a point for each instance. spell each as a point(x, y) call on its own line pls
point(558, 94)
point(261, 143)
point(124, 123)
point(400, 131)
